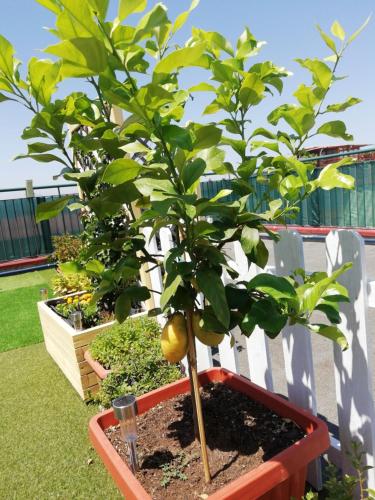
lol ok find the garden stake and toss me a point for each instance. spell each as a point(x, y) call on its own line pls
point(192, 360)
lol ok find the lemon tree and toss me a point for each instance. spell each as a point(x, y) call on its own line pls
point(155, 159)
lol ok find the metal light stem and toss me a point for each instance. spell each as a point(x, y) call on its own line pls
point(125, 409)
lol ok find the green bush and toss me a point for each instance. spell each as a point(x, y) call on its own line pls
point(63, 284)
point(66, 248)
point(132, 351)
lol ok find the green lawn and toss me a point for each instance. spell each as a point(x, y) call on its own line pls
point(45, 451)
point(27, 279)
point(18, 311)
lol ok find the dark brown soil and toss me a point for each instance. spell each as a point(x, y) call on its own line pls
point(241, 434)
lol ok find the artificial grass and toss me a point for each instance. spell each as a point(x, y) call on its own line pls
point(20, 324)
point(26, 279)
point(45, 451)
point(19, 294)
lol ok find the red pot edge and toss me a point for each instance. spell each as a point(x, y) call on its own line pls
point(98, 368)
point(321, 230)
point(290, 462)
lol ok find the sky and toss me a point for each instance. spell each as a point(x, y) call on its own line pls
point(288, 27)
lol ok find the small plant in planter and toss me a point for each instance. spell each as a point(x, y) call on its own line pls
point(169, 157)
point(132, 352)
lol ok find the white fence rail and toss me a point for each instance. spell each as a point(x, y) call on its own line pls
point(353, 381)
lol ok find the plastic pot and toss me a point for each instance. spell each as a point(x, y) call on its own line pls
point(282, 477)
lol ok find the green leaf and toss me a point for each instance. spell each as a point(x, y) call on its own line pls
point(183, 17)
point(6, 57)
point(156, 18)
point(330, 177)
point(120, 171)
point(170, 289)
point(43, 77)
point(71, 268)
point(76, 20)
point(43, 158)
point(127, 7)
point(310, 295)
point(49, 209)
point(276, 287)
point(221, 194)
point(331, 332)
point(51, 5)
point(266, 314)
point(359, 30)
point(249, 239)
point(181, 58)
point(178, 137)
point(207, 136)
point(81, 56)
point(213, 289)
point(252, 90)
point(202, 87)
point(338, 31)
point(95, 266)
point(40, 147)
point(299, 118)
point(309, 96)
point(336, 108)
point(122, 307)
point(192, 171)
point(147, 186)
point(321, 73)
point(214, 158)
point(335, 128)
point(328, 40)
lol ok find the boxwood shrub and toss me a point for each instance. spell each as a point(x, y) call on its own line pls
point(133, 354)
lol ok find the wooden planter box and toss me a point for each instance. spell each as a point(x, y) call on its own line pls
point(280, 478)
point(67, 347)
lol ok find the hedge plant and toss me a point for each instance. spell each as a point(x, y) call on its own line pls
point(132, 351)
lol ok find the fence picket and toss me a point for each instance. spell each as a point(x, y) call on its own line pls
point(155, 274)
point(355, 404)
point(257, 344)
point(296, 341)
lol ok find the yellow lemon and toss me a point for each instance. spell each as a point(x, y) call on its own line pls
point(174, 340)
point(211, 339)
point(69, 300)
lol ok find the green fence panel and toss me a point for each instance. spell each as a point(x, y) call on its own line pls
point(21, 236)
point(338, 207)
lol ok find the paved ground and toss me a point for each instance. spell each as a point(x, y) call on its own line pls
point(322, 348)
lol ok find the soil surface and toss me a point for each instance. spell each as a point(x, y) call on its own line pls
point(241, 434)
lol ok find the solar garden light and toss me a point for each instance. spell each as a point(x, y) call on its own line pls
point(125, 408)
point(43, 294)
point(76, 318)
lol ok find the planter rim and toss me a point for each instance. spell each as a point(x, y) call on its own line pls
point(262, 479)
point(98, 368)
point(44, 304)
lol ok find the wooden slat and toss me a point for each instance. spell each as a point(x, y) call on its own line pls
point(258, 355)
point(353, 367)
point(155, 274)
point(296, 340)
point(204, 356)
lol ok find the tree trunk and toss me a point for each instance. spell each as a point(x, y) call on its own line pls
point(196, 398)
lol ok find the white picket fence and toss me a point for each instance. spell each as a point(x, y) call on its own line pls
point(353, 381)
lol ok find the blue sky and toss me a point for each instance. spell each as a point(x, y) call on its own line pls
point(288, 27)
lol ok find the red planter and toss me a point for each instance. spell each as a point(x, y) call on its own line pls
point(99, 369)
point(281, 478)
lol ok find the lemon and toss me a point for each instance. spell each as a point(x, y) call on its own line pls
point(174, 340)
point(211, 339)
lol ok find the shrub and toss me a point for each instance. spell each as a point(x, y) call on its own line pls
point(66, 248)
point(63, 284)
point(132, 351)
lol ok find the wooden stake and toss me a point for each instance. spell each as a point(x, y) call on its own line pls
point(192, 360)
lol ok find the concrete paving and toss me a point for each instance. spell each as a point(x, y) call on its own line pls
point(322, 348)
